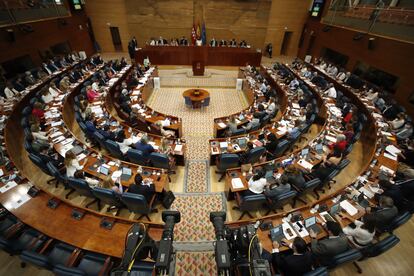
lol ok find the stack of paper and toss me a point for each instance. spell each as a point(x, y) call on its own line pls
point(305, 164)
point(348, 207)
point(237, 183)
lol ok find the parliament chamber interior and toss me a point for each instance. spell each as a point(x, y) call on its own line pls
point(206, 137)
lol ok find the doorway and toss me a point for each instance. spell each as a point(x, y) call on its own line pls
point(285, 43)
point(116, 38)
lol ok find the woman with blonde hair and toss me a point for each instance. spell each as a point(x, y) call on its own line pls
point(108, 183)
point(71, 163)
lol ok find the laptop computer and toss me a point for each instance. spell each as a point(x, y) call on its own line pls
point(304, 152)
point(335, 209)
point(362, 201)
point(276, 233)
point(242, 142)
point(310, 224)
point(319, 148)
point(103, 170)
point(126, 174)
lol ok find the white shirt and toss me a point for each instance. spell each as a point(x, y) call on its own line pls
point(92, 182)
point(74, 166)
point(257, 186)
point(10, 93)
point(372, 96)
point(95, 86)
point(124, 146)
point(271, 108)
point(397, 123)
point(331, 92)
point(360, 235)
point(53, 91)
point(40, 135)
point(47, 98)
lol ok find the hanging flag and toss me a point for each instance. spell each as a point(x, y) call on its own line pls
point(193, 35)
point(203, 34)
point(198, 31)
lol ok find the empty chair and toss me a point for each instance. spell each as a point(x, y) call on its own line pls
point(108, 197)
point(281, 148)
point(249, 203)
point(100, 139)
point(52, 256)
point(397, 222)
point(58, 177)
point(24, 122)
point(239, 131)
point(188, 102)
point(138, 204)
point(27, 111)
point(143, 268)
point(28, 146)
point(160, 160)
point(91, 264)
point(28, 239)
point(136, 157)
point(277, 202)
point(309, 186)
point(7, 223)
point(226, 161)
point(114, 149)
point(348, 256)
point(205, 102)
point(380, 247)
point(82, 187)
point(39, 163)
point(255, 154)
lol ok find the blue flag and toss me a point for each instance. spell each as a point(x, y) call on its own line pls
point(203, 34)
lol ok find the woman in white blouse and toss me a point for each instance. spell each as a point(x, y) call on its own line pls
point(47, 97)
point(71, 163)
point(54, 91)
point(123, 142)
point(360, 233)
point(257, 184)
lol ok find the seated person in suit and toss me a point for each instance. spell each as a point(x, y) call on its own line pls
point(243, 156)
point(325, 249)
point(91, 182)
point(143, 146)
point(261, 111)
point(271, 144)
point(329, 164)
point(254, 122)
point(142, 187)
point(384, 213)
point(124, 101)
point(295, 264)
point(282, 186)
point(393, 191)
point(108, 183)
point(231, 126)
point(360, 233)
point(295, 176)
point(257, 184)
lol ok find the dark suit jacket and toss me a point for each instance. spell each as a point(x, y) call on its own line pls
point(293, 265)
point(325, 249)
point(145, 190)
point(385, 216)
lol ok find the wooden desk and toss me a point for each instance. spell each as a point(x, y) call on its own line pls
point(185, 55)
point(197, 96)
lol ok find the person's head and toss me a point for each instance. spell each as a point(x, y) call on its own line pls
point(256, 115)
point(249, 145)
point(138, 179)
point(370, 222)
point(334, 228)
point(271, 137)
point(260, 107)
point(299, 245)
point(385, 184)
point(259, 174)
point(79, 174)
point(284, 179)
point(386, 202)
point(69, 156)
point(120, 137)
point(144, 139)
point(37, 105)
point(107, 183)
point(340, 138)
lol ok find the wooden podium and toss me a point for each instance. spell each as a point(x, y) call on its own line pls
point(198, 68)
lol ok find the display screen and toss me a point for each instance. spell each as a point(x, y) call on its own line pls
point(317, 8)
point(76, 4)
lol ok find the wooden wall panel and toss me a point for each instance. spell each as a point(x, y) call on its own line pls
point(392, 56)
point(112, 12)
point(46, 34)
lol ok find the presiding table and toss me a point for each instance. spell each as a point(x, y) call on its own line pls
point(197, 96)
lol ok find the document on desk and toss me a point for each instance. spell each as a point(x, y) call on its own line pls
point(348, 207)
point(178, 148)
point(58, 139)
point(305, 164)
point(58, 123)
point(295, 105)
point(393, 150)
point(222, 125)
point(223, 144)
point(330, 138)
point(390, 156)
point(387, 170)
point(8, 186)
point(237, 183)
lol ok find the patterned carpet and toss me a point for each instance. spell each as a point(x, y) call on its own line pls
point(197, 178)
point(195, 225)
point(195, 264)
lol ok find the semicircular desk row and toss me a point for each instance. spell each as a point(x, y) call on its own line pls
point(92, 241)
point(87, 234)
point(374, 161)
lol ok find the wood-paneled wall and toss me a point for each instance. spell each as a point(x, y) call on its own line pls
point(256, 21)
point(46, 33)
point(389, 55)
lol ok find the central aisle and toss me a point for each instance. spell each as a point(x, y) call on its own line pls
point(195, 196)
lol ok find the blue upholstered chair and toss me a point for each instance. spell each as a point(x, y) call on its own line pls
point(83, 188)
point(113, 149)
point(136, 157)
point(277, 202)
point(138, 204)
point(254, 155)
point(249, 203)
point(108, 197)
point(90, 264)
point(226, 161)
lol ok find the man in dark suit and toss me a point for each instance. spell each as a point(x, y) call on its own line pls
point(223, 43)
point(143, 146)
point(213, 42)
point(142, 188)
point(325, 249)
point(295, 264)
point(385, 213)
point(233, 43)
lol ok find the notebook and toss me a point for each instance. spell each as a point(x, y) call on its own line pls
point(276, 233)
point(310, 224)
